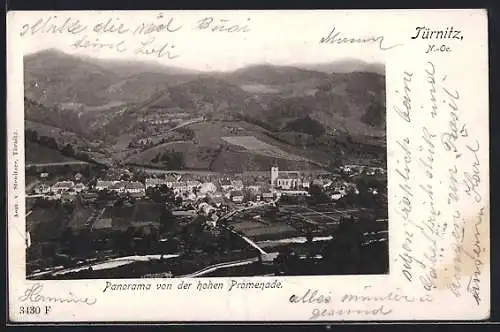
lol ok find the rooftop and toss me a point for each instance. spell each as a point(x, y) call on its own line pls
point(133, 185)
point(64, 184)
point(101, 183)
point(236, 193)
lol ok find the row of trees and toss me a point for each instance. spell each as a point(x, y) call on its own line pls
point(50, 142)
point(170, 159)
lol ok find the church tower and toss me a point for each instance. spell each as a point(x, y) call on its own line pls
point(274, 175)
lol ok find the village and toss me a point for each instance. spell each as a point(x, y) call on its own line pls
point(214, 220)
point(209, 192)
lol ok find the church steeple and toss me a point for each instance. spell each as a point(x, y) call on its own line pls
point(274, 175)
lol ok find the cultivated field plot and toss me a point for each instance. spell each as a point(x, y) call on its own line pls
point(320, 214)
point(272, 231)
point(82, 217)
point(258, 230)
point(245, 225)
point(257, 146)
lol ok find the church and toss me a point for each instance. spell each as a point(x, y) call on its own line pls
point(287, 180)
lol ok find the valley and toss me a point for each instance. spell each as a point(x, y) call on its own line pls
point(245, 120)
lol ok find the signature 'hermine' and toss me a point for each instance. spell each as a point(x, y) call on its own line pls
point(34, 294)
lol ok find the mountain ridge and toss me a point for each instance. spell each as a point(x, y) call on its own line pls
point(53, 77)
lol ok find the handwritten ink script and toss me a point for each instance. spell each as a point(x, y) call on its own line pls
point(34, 293)
point(433, 133)
point(330, 304)
point(151, 37)
point(338, 38)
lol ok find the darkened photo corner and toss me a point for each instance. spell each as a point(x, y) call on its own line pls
point(135, 169)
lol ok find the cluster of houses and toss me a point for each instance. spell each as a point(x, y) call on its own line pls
point(164, 117)
point(133, 188)
point(235, 189)
point(295, 184)
point(62, 187)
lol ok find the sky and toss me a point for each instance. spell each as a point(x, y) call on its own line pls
point(279, 37)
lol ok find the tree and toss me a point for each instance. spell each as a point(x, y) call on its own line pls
point(306, 125)
point(68, 150)
point(374, 115)
point(166, 219)
point(317, 194)
point(140, 176)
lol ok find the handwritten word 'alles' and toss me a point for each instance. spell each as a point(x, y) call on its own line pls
point(335, 37)
point(34, 294)
point(311, 297)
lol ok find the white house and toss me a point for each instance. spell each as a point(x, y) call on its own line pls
point(102, 185)
point(182, 186)
point(237, 184)
point(207, 187)
point(255, 188)
point(79, 187)
point(118, 186)
point(226, 184)
point(42, 189)
point(336, 196)
point(267, 196)
point(154, 182)
point(237, 196)
point(62, 186)
point(135, 188)
point(206, 208)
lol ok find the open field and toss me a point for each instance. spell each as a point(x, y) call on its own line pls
point(81, 217)
point(256, 146)
point(321, 214)
point(271, 231)
point(294, 220)
point(226, 147)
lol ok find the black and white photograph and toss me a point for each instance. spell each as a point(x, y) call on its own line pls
point(250, 166)
point(138, 169)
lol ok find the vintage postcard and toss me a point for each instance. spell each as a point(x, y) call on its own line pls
point(208, 166)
